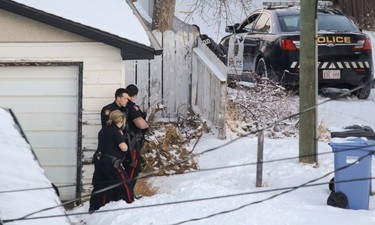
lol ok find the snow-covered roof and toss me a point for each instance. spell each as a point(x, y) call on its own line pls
point(24, 188)
point(112, 22)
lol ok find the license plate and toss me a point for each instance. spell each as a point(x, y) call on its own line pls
point(331, 74)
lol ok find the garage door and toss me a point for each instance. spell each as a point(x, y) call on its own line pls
point(45, 102)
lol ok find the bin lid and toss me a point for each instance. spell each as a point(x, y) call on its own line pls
point(355, 131)
point(355, 143)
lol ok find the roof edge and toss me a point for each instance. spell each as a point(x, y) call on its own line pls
point(154, 42)
point(124, 44)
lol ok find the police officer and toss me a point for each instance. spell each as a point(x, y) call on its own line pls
point(137, 126)
point(109, 170)
point(121, 99)
point(219, 50)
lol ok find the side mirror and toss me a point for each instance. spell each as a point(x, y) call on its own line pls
point(230, 29)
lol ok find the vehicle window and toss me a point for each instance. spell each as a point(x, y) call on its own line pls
point(289, 23)
point(262, 24)
point(325, 23)
point(335, 23)
point(248, 24)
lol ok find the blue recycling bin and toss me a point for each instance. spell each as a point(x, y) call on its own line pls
point(352, 161)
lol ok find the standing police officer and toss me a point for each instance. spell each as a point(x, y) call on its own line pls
point(109, 171)
point(121, 99)
point(137, 126)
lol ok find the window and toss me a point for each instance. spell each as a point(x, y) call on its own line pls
point(248, 24)
point(326, 22)
point(289, 23)
point(263, 24)
point(335, 23)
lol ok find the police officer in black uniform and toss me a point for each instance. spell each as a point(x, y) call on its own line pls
point(109, 170)
point(121, 99)
point(219, 50)
point(137, 126)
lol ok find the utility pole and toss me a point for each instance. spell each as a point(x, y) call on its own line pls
point(308, 83)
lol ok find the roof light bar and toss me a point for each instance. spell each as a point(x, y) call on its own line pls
point(273, 4)
point(325, 3)
point(295, 3)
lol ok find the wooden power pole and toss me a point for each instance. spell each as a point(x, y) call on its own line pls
point(308, 83)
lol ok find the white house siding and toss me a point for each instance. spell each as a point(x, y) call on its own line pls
point(98, 70)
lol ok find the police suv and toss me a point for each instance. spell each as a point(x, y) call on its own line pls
point(268, 42)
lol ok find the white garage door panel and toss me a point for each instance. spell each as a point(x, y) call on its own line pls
point(65, 174)
point(62, 176)
point(60, 157)
point(28, 87)
point(49, 139)
point(45, 101)
point(35, 122)
point(43, 72)
point(67, 193)
point(40, 105)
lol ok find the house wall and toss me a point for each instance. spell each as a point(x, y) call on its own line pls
point(103, 71)
point(15, 28)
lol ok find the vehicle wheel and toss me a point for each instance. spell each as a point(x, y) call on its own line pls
point(262, 71)
point(331, 184)
point(364, 92)
point(338, 199)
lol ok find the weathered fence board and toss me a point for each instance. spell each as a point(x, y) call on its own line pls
point(181, 78)
point(209, 87)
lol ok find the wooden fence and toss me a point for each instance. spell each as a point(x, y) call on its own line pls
point(186, 76)
point(209, 87)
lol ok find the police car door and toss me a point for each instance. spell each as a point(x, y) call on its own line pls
point(244, 42)
point(254, 41)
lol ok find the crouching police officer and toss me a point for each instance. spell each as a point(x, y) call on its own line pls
point(109, 171)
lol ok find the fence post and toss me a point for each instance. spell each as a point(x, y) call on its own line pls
point(259, 175)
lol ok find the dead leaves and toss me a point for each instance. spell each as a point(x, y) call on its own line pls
point(166, 147)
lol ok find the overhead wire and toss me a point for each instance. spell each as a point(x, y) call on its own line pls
point(205, 151)
point(276, 195)
point(195, 171)
point(284, 189)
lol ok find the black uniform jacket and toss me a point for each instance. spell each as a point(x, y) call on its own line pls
point(110, 136)
point(133, 112)
point(106, 110)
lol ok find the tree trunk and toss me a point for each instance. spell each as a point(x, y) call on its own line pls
point(163, 15)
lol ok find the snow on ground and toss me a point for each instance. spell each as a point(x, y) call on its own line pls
point(305, 206)
point(20, 171)
point(209, 192)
